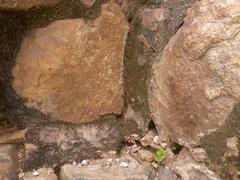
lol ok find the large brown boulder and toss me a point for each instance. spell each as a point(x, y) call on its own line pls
point(196, 83)
point(72, 69)
point(25, 4)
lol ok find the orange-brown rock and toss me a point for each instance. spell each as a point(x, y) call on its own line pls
point(196, 82)
point(72, 69)
point(25, 4)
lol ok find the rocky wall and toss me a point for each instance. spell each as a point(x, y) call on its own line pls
point(82, 75)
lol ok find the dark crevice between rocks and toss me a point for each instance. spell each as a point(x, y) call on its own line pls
point(56, 170)
point(132, 72)
point(152, 126)
point(176, 148)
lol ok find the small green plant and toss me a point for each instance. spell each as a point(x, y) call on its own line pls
point(204, 162)
point(161, 155)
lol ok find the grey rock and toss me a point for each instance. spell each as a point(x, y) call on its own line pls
point(8, 159)
point(232, 147)
point(189, 169)
point(101, 172)
point(146, 155)
point(199, 154)
point(57, 143)
point(43, 174)
point(166, 174)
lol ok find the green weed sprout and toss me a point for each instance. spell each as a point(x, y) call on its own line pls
point(161, 155)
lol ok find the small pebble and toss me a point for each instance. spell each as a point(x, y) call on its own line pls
point(156, 139)
point(124, 164)
point(163, 144)
point(84, 162)
point(134, 148)
point(74, 163)
point(50, 171)
point(21, 175)
point(155, 165)
point(109, 160)
point(35, 173)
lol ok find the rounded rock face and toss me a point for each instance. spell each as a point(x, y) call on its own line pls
point(196, 83)
point(72, 69)
point(25, 4)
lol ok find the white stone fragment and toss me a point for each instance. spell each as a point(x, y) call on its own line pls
point(35, 173)
point(156, 139)
point(84, 162)
point(21, 175)
point(124, 164)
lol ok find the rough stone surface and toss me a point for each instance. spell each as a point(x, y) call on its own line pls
point(8, 159)
point(189, 169)
point(57, 143)
point(166, 174)
point(25, 4)
point(196, 82)
point(199, 154)
point(106, 172)
point(88, 3)
point(232, 147)
point(152, 25)
point(217, 147)
point(72, 69)
point(148, 140)
point(146, 155)
point(44, 174)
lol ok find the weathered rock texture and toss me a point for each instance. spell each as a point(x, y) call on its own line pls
point(196, 82)
point(56, 143)
point(72, 69)
point(153, 23)
point(25, 4)
point(88, 3)
point(165, 174)
point(43, 174)
point(8, 162)
point(99, 172)
point(189, 169)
